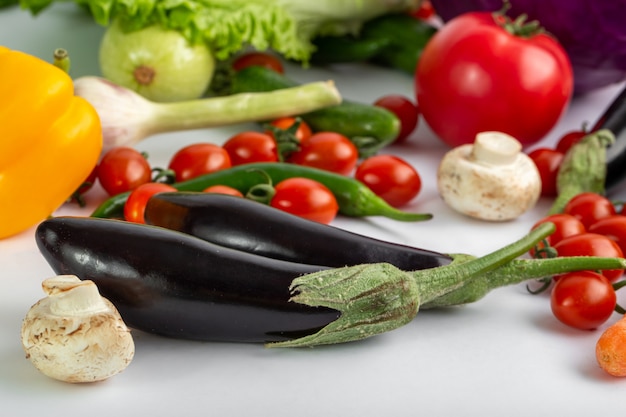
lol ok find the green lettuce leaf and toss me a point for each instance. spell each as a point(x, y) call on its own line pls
point(227, 26)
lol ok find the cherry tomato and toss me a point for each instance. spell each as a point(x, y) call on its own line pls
point(123, 169)
point(583, 299)
point(198, 159)
point(591, 244)
point(302, 133)
point(88, 183)
point(475, 76)
point(223, 189)
point(329, 151)
point(135, 205)
point(260, 59)
point(391, 178)
point(425, 10)
point(305, 198)
point(570, 139)
point(589, 208)
point(248, 147)
point(548, 162)
point(613, 227)
point(405, 109)
point(565, 225)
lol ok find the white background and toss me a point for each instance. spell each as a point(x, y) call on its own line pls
point(504, 354)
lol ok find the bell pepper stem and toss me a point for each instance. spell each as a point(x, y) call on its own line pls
point(61, 59)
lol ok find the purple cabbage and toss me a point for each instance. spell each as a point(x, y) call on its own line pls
point(593, 32)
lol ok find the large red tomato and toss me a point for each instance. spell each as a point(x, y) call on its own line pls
point(476, 76)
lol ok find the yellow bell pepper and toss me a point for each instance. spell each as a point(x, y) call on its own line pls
point(50, 140)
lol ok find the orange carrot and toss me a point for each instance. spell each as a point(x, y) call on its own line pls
point(611, 349)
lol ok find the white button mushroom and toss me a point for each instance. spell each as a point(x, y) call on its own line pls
point(74, 334)
point(491, 179)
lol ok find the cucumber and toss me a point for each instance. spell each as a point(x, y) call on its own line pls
point(369, 127)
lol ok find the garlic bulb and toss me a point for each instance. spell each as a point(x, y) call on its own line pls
point(74, 334)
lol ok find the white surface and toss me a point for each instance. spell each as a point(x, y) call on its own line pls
point(505, 354)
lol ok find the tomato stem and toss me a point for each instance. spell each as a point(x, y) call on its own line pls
point(286, 140)
point(264, 192)
point(518, 27)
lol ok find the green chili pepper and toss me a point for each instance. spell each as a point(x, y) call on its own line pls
point(353, 197)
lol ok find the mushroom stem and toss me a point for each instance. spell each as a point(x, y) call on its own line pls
point(69, 296)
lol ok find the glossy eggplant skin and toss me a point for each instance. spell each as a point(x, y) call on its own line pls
point(254, 227)
point(614, 119)
point(177, 285)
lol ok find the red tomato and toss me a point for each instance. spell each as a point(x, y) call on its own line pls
point(223, 189)
point(198, 159)
point(591, 244)
point(391, 178)
point(476, 76)
point(424, 11)
point(405, 109)
point(328, 151)
point(123, 169)
point(613, 227)
point(570, 139)
point(88, 183)
point(305, 198)
point(589, 208)
point(302, 133)
point(135, 205)
point(248, 147)
point(565, 225)
point(260, 59)
point(548, 162)
point(583, 299)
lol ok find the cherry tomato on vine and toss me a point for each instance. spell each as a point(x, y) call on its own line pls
point(303, 131)
point(88, 183)
point(613, 227)
point(198, 159)
point(329, 151)
point(248, 147)
point(223, 189)
point(565, 225)
point(591, 244)
point(474, 75)
point(391, 178)
point(123, 169)
point(260, 59)
point(589, 208)
point(583, 299)
point(135, 205)
point(548, 162)
point(569, 139)
point(305, 198)
point(406, 111)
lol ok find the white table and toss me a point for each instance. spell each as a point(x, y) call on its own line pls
point(504, 355)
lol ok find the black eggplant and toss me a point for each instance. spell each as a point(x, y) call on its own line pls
point(254, 227)
point(614, 119)
point(177, 285)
